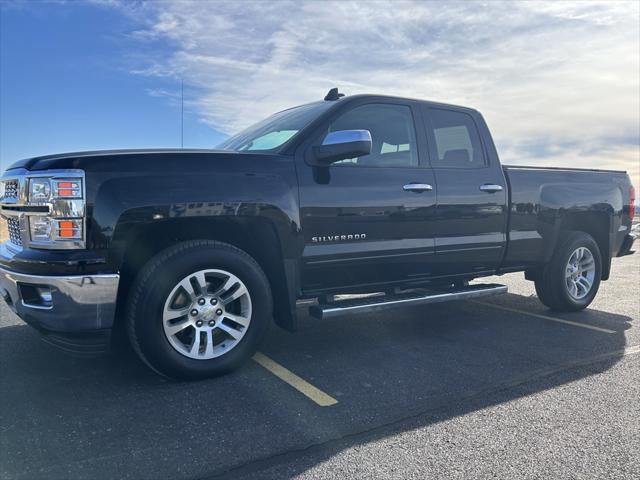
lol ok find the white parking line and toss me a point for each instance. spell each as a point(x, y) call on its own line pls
point(304, 387)
point(545, 317)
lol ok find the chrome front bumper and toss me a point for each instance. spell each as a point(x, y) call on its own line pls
point(63, 304)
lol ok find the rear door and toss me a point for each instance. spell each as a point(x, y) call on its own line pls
point(363, 222)
point(471, 215)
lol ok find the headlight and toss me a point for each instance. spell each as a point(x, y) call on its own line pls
point(39, 190)
point(45, 189)
point(45, 229)
point(40, 228)
point(61, 223)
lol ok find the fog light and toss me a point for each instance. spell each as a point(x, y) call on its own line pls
point(45, 295)
point(38, 296)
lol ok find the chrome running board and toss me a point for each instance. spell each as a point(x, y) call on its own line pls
point(377, 303)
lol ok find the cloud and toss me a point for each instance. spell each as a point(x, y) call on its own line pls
point(551, 78)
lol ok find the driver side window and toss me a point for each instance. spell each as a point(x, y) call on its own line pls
point(393, 138)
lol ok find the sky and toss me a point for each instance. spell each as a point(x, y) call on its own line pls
point(557, 82)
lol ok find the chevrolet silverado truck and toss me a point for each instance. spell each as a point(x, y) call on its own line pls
point(391, 202)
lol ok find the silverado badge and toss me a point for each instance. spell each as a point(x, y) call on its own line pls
point(339, 238)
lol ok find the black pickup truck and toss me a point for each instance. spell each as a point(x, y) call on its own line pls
point(192, 253)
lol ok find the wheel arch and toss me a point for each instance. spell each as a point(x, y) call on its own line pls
point(596, 223)
point(257, 236)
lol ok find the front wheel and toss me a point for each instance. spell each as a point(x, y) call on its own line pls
point(571, 279)
point(198, 309)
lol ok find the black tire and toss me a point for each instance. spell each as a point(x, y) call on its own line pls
point(551, 286)
point(154, 283)
point(541, 293)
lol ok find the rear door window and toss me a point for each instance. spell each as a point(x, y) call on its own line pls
point(454, 139)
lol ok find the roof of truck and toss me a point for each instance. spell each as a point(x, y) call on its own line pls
point(374, 96)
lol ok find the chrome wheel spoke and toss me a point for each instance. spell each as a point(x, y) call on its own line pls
point(239, 292)
point(195, 284)
point(228, 285)
point(244, 321)
point(584, 283)
point(187, 287)
point(574, 258)
point(195, 346)
point(587, 264)
point(171, 314)
point(175, 328)
point(200, 280)
point(235, 334)
point(208, 349)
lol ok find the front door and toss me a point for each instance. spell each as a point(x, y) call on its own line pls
point(366, 221)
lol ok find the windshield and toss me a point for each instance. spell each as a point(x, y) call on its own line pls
point(274, 131)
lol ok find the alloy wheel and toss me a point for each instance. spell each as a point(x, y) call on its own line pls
point(206, 314)
point(580, 273)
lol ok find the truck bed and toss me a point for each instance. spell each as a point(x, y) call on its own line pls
point(541, 199)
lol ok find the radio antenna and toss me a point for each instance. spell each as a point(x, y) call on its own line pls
point(181, 113)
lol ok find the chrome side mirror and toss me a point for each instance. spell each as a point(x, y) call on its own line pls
point(343, 144)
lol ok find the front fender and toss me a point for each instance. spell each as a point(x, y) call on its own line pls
point(124, 204)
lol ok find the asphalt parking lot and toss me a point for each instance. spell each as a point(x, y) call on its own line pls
point(502, 388)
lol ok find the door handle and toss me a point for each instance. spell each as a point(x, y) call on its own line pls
point(490, 188)
point(417, 187)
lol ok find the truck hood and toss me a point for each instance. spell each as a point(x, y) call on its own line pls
point(120, 159)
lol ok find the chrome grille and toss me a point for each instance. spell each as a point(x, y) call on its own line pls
point(13, 225)
point(10, 190)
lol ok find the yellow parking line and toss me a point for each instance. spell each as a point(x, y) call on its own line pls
point(545, 317)
point(304, 387)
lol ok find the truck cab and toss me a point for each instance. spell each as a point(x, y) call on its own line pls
point(429, 200)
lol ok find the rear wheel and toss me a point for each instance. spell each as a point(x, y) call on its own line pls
point(571, 279)
point(198, 309)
